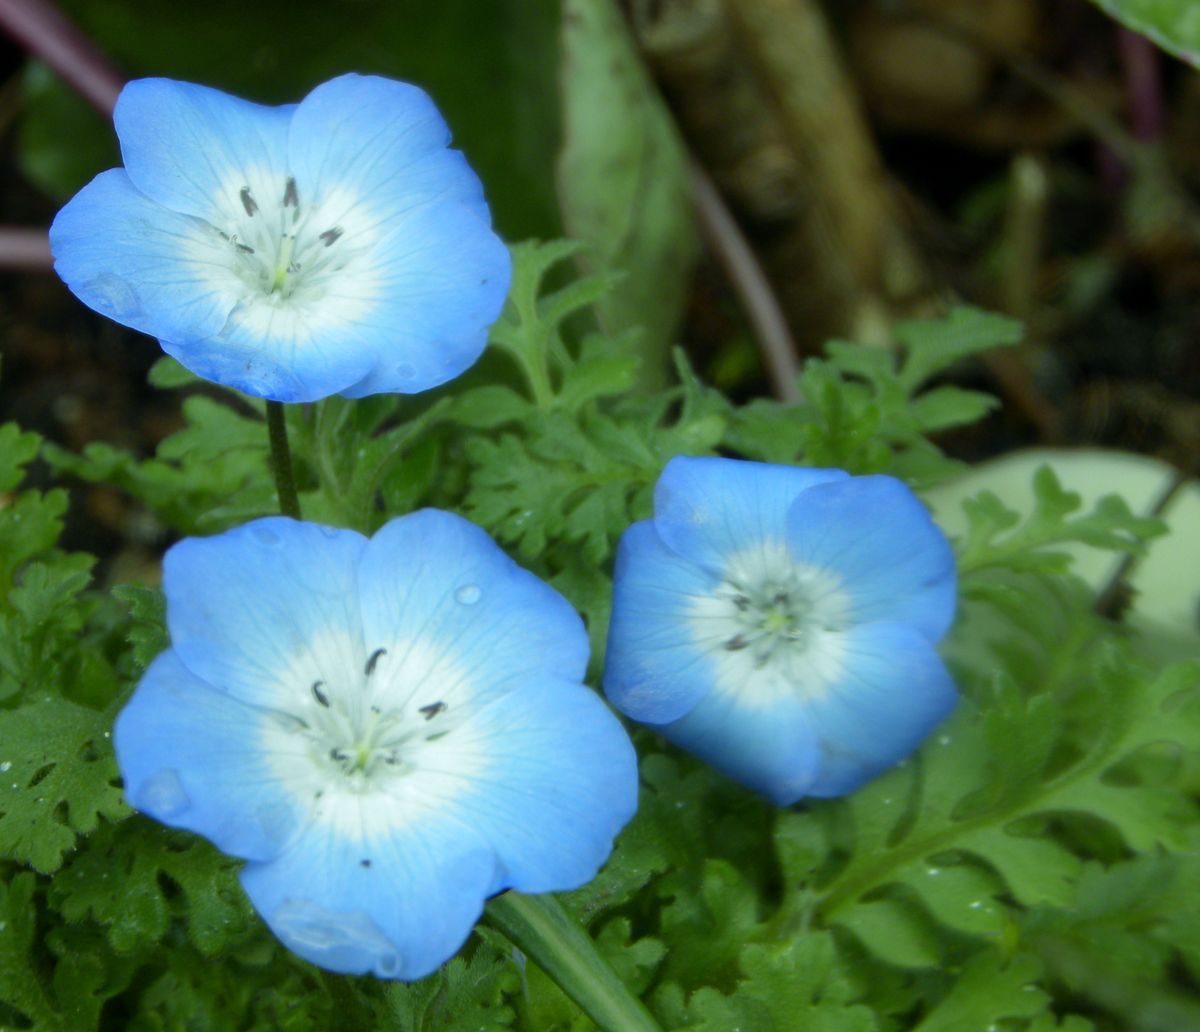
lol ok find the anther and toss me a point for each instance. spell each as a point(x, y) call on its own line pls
point(319, 695)
point(330, 235)
point(248, 201)
point(369, 669)
point(780, 599)
point(339, 755)
point(742, 602)
point(737, 642)
point(245, 248)
point(290, 197)
point(432, 710)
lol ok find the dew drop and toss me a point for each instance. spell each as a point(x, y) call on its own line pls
point(163, 795)
point(265, 535)
point(112, 296)
point(5, 766)
point(933, 872)
point(3, 925)
point(468, 594)
point(943, 739)
point(975, 904)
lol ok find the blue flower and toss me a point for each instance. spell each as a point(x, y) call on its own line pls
point(389, 730)
point(333, 246)
point(780, 623)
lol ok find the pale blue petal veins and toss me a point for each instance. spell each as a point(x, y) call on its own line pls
point(379, 142)
point(767, 745)
point(892, 690)
point(554, 781)
point(295, 352)
point(709, 508)
point(266, 609)
point(141, 264)
point(194, 149)
point(391, 898)
point(655, 669)
point(191, 757)
point(458, 615)
point(872, 533)
point(437, 280)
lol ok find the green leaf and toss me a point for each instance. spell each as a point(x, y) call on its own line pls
point(20, 985)
point(147, 632)
point(623, 179)
point(1173, 24)
point(58, 777)
point(997, 537)
point(136, 877)
point(934, 345)
point(990, 988)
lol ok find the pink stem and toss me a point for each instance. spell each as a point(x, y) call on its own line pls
point(40, 27)
point(1143, 84)
point(25, 249)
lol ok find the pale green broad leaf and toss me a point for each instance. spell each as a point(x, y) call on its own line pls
point(623, 179)
point(1173, 24)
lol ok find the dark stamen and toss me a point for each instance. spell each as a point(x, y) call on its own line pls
point(742, 602)
point(432, 710)
point(781, 598)
point(248, 201)
point(319, 695)
point(738, 641)
point(245, 248)
point(290, 197)
point(340, 755)
point(374, 658)
point(330, 235)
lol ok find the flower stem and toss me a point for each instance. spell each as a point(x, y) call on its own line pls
point(554, 940)
point(281, 461)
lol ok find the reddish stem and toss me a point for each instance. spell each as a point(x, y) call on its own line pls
point(40, 27)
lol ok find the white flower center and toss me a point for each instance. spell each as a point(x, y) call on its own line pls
point(282, 248)
point(772, 625)
point(367, 744)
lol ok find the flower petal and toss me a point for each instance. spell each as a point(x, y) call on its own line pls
point(766, 745)
point(893, 561)
point(191, 758)
point(708, 508)
point(458, 616)
point(553, 779)
point(141, 264)
point(376, 142)
point(395, 899)
point(291, 352)
point(438, 280)
point(654, 670)
point(195, 149)
point(266, 609)
point(892, 691)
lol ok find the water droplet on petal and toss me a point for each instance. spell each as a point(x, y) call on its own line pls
point(265, 535)
point(468, 594)
point(163, 795)
point(5, 766)
point(112, 296)
point(329, 532)
point(405, 372)
point(350, 940)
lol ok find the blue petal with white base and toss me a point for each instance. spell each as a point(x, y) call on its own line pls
point(335, 246)
point(780, 623)
point(390, 731)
